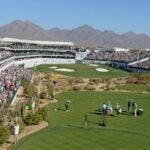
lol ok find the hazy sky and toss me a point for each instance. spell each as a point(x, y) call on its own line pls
point(117, 15)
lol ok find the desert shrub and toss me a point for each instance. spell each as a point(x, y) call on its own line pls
point(95, 81)
point(70, 81)
point(107, 87)
point(43, 95)
point(36, 81)
point(148, 89)
point(76, 87)
point(91, 83)
point(141, 77)
point(89, 87)
point(30, 89)
point(135, 81)
point(4, 134)
point(57, 88)
point(29, 105)
point(21, 125)
point(78, 80)
point(33, 118)
point(6, 105)
point(43, 112)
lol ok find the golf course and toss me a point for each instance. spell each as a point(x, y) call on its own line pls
point(67, 131)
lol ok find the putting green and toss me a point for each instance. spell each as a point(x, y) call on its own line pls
point(85, 71)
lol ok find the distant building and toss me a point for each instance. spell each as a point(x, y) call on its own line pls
point(104, 50)
point(117, 49)
point(147, 49)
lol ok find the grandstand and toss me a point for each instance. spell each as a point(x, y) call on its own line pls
point(122, 59)
point(17, 54)
point(31, 53)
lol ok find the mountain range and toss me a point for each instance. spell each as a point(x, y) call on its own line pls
point(83, 35)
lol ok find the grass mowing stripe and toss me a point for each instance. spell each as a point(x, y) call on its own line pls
point(105, 128)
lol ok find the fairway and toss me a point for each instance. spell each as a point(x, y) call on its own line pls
point(84, 70)
point(66, 130)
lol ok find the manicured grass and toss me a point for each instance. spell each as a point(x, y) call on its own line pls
point(71, 138)
point(134, 87)
point(66, 132)
point(85, 71)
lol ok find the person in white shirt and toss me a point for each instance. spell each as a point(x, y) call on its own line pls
point(16, 132)
point(33, 105)
point(135, 109)
point(118, 109)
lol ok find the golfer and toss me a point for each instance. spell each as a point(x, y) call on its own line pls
point(67, 105)
point(135, 109)
point(129, 106)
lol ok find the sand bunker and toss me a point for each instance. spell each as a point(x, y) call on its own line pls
point(53, 67)
point(93, 65)
point(101, 70)
point(65, 70)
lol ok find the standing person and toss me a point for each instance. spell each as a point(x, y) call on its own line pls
point(135, 109)
point(104, 109)
point(118, 109)
point(67, 105)
point(109, 108)
point(16, 132)
point(104, 112)
point(85, 120)
point(129, 106)
point(33, 105)
point(133, 103)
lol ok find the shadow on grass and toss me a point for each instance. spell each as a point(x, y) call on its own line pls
point(100, 123)
point(96, 112)
point(126, 113)
point(93, 122)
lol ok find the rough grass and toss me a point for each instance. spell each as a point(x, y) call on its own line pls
point(66, 132)
point(134, 87)
point(85, 71)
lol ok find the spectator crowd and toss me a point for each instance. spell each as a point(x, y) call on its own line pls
point(130, 56)
point(10, 80)
point(122, 57)
point(144, 64)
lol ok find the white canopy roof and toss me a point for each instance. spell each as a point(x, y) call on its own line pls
point(36, 42)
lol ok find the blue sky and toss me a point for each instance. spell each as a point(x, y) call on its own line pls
point(117, 15)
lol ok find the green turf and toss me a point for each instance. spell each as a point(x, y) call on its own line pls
point(66, 132)
point(134, 87)
point(85, 71)
point(71, 138)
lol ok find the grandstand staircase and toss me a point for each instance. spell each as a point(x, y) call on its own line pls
point(138, 61)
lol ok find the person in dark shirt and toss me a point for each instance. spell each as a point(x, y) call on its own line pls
point(67, 105)
point(129, 106)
